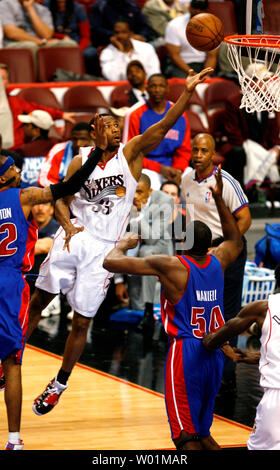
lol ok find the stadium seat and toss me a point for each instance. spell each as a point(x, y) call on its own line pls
point(119, 96)
point(196, 123)
point(65, 58)
point(83, 117)
point(217, 93)
point(20, 64)
point(226, 12)
point(83, 98)
point(39, 95)
point(163, 56)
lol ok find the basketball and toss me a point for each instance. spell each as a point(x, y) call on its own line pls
point(205, 32)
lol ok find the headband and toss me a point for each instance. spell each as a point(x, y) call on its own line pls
point(8, 163)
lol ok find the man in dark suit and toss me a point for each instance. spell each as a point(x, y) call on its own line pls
point(151, 221)
point(136, 75)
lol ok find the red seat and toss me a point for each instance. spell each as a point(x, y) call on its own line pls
point(20, 64)
point(226, 12)
point(196, 124)
point(52, 58)
point(39, 95)
point(119, 96)
point(84, 98)
point(85, 117)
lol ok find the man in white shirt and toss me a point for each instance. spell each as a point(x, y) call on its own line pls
point(182, 56)
point(122, 50)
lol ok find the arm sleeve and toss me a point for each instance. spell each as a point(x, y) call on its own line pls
point(75, 182)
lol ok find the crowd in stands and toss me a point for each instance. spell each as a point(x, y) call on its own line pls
point(143, 45)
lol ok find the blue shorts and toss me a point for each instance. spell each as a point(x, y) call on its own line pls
point(14, 308)
point(192, 380)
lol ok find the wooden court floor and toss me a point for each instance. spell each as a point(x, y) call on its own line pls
point(99, 412)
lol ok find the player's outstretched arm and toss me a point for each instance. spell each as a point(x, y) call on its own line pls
point(251, 313)
point(153, 136)
point(232, 245)
point(32, 195)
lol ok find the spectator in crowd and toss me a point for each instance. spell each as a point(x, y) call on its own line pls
point(136, 75)
point(43, 215)
point(105, 13)
point(71, 22)
point(28, 24)
point(158, 14)
point(252, 148)
point(123, 48)
point(177, 226)
point(55, 165)
point(172, 156)
point(150, 219)
point(182, 56)
point(36, 127)
point(19, 105)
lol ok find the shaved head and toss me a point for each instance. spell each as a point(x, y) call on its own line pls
point(208, 138)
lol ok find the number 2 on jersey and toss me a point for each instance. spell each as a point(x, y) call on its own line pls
point(198, 319)
point(11, 235)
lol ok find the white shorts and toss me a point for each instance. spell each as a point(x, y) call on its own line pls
point(266, 430)
point(78, 274)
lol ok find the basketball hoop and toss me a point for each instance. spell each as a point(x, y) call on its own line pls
point(260, 91)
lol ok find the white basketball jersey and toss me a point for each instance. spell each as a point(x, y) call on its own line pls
point(103, 204)
point(269, 365)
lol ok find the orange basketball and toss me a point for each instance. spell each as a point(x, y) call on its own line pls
point(205, 32)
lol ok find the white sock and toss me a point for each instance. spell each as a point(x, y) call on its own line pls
point(14, 437)
point(58, 384)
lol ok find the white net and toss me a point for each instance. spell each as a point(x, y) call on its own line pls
point(260, 86)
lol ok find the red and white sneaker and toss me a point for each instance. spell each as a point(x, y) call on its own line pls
point(48, 399)
point(2, 379)
point(10, 446)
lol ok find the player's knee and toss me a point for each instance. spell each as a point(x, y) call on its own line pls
point(80, 325)
point(39, 300)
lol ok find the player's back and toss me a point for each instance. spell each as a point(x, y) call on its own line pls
point(17, 235)
point(200, 310)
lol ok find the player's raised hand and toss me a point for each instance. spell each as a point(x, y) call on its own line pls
point(193, 79)
point(100, 135)
point(218, 190)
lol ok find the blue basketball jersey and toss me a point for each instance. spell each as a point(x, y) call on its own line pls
point(200, 310)
point(17, 235)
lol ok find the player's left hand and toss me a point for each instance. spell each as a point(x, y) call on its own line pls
point(193, 79)
point(70, 231)
point(218, 190)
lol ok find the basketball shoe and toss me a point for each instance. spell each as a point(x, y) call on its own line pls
point(10, 446)
point(2, 379)
point(49, 398)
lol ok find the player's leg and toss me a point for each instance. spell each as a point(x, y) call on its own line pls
point(76, 341)
point(182, 410)
point(188, 441)
point(208, 443)
point(38, 302)
point(13, 401)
